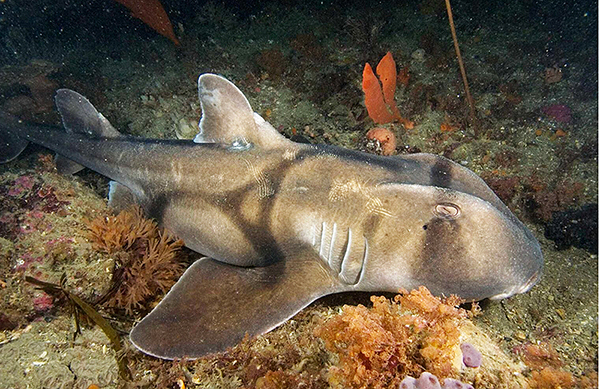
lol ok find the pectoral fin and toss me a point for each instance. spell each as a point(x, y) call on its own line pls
point(214, 305)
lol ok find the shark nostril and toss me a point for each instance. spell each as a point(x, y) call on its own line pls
point(447, 210)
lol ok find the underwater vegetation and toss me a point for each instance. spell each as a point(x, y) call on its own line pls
point(547, 368)
point(416, 334)
point(411, 335)
point(536, 98)
point(146, 261)
point(378, 347)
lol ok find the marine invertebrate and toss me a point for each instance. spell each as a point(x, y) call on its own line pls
point(385, 138)
point(378, 347)
point(146, 262)
point(471, 356)
point(379, 98)
point(153, 14)
point(429, 381)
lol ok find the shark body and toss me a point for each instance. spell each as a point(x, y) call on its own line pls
point(283, 223)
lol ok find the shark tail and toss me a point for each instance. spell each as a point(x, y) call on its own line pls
point(78, 117)
point(11, 144)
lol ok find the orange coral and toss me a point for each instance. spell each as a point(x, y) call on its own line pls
point(379, 98)
point(153, 14)
point(146, 261)
point(378, 347)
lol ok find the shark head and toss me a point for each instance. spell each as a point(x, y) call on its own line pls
point(452, 242)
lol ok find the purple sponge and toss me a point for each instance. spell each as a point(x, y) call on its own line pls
point(451, 383)
point(471, 356)
point(408, 383)
point(429, 381)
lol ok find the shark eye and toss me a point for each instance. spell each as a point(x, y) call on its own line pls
point(447, 210)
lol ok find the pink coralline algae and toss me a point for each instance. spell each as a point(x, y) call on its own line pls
point(21, 184)
point(26, 201)
point(43, 303)
point(25, 261)
point(558, 112)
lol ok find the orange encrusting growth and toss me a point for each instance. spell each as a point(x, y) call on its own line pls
point(386, 139)
point(153, 14)
point(379, 98)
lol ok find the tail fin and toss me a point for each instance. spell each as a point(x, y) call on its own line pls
point(78, 116)
point(11, 145)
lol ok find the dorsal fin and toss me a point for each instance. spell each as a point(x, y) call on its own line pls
point(80, 116)
point(227, 117)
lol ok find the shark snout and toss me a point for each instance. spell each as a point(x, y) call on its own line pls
point(531, 282)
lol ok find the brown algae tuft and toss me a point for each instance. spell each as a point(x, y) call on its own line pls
point(146, 261)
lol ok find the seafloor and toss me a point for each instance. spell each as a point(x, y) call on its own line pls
point(532, 69)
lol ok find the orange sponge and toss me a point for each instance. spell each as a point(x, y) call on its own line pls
point(379, 97)
point(153, 14)
point(374, 101)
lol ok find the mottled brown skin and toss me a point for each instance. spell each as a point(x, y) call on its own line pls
point(283, 223)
